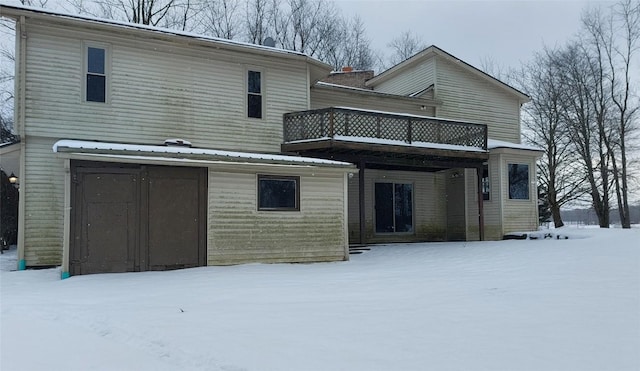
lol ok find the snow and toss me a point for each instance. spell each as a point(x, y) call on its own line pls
point(546, 304)
point(493, 143)
point(140, 148)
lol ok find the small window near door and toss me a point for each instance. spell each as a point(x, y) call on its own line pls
point(486, 185)
point(278, 193)
point(518, 181)
point(254, 94)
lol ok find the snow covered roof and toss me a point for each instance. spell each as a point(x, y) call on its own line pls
point(143, 151)
point(10, 10)
point(493, 144)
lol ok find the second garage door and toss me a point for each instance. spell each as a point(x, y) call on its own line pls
point(135, 218)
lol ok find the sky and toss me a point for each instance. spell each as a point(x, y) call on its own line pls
point(505, 32)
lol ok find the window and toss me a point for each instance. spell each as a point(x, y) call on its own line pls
point(254, 94)
point(486, 185)
point(278, 193)
point(518, 182)
point(96, 80)
point(394, 207)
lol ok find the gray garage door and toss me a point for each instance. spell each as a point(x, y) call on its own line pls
point(128, 218)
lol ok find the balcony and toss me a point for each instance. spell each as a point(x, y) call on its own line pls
point(336, 132)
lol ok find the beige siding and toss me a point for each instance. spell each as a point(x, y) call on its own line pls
point(456, 205)
point(468, 97)
point(323, 97)
point(239, 233)
point(411, 80)
point(519, 215)
point(43, 182)
point(429, 206)
point(157, 90)
point(492, 207)
point(471, 210)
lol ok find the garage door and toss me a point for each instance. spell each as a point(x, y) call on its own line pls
point(130, 218)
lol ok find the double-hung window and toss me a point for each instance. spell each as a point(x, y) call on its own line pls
point(96, 74)
point(254, 94)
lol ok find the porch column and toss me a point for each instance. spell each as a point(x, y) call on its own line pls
point(480, 202)
point(361, 167)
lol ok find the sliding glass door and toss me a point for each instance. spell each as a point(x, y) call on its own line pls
point(394, 207)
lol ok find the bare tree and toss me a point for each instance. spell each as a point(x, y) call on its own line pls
point(587, 113)
point(404, 47)
point(559, 172)
point(352, 48)
point(221, 19)
point(166, 13)
point(617, 38)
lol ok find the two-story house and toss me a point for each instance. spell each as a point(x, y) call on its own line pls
point(146, 149)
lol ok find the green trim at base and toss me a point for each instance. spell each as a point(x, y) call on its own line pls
point(22, 265)
point(65, 275)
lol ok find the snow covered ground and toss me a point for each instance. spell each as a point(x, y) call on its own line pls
point(510, 305)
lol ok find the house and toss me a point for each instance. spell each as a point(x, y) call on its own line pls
point(148, 149)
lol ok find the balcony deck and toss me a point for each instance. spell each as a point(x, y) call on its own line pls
point(352, 134)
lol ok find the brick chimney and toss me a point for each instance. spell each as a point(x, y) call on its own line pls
point(347, 76)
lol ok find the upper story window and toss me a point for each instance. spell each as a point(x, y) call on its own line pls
point(96, 74)
point(486, 183)
point(518, 181)
point(254, 94)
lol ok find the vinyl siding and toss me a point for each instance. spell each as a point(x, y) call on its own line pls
point(492, 216)
point(468, 97)
point(411, 80)
point(322, 98)
point(43, 188)
point(239, 233)
point(157, 90)
point(456, 205)
point(429, 206)
point(519, 215)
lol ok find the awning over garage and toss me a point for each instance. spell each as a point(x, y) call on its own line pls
point(180, 156)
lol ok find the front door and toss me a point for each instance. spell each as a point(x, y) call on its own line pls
point(394, 207)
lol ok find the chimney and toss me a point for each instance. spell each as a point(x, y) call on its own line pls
point(347, 69)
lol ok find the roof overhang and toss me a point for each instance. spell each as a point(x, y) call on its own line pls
point(186, 156)
point(432, 51)
point(499, 146)
point(390, 155)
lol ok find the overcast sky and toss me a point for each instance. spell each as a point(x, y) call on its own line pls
point(507, 32)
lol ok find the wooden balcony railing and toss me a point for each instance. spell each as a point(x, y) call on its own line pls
point(335, 122)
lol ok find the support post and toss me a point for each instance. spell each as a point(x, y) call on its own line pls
point(361, 167)
point(480, 202)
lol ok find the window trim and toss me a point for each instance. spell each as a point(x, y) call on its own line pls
point(85, 71)
point(247, 93)
point(295, 178)
point(509, 164)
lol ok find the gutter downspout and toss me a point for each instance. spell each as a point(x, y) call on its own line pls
point(19, 112)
